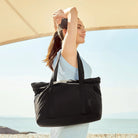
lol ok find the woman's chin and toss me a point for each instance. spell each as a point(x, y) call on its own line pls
point(82, 41)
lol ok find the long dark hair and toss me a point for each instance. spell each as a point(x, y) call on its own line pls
point(56, 43)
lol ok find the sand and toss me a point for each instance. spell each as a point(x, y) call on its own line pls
point(89, 136)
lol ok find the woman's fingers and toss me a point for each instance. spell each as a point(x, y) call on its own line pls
point(58, 20)
point(57, 16)
point(59, 13)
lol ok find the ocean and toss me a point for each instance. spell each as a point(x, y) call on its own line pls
point(108, 126)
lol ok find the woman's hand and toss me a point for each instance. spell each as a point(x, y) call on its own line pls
point(57, 17)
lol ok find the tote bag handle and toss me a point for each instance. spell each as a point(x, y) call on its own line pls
point(80, 70)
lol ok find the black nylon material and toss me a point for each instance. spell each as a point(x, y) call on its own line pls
point(67, 102)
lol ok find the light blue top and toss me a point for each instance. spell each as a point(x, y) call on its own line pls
point(65, 72)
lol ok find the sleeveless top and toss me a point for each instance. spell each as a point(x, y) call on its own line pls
point(65, 72)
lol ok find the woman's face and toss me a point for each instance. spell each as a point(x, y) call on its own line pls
point(81, 32)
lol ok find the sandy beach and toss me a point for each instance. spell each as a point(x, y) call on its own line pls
point(89, 136)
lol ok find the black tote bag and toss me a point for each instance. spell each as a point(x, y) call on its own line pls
point(67, 102)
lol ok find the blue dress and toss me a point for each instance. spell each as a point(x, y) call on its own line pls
point(65, 72)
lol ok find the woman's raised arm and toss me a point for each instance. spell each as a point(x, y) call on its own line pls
point(69, 49)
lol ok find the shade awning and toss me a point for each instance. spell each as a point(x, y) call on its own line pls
point(23, 20)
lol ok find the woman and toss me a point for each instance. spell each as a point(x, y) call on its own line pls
point(65, 42)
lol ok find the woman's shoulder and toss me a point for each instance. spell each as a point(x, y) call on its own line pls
point(86, 65)
point(62, 62)
point(65, 65)
point(85, 62)
point(65, 70)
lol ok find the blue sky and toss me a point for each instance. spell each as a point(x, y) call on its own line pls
point(112, 55)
